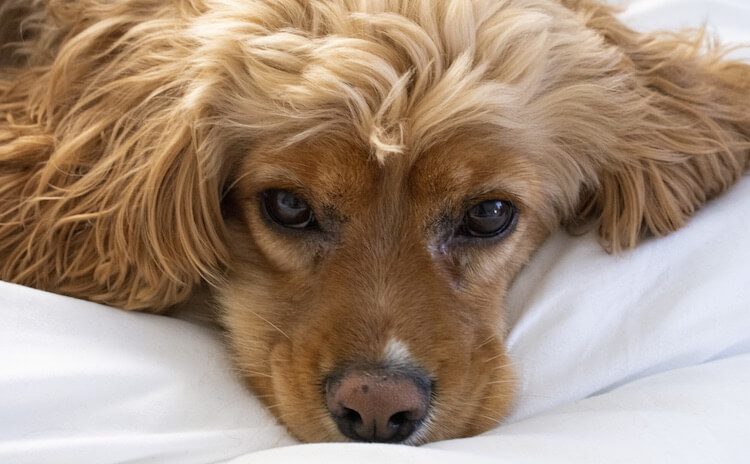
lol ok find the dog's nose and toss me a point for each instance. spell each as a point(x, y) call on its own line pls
point(378, 406)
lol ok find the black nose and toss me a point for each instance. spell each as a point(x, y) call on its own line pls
point(377, 406)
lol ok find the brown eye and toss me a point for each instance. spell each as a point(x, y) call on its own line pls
point(488, 219)
point(287, 209)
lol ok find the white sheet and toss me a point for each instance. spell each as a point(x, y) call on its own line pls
point(80, 382)
point(643, 357)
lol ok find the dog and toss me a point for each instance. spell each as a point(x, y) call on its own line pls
point(354, 184)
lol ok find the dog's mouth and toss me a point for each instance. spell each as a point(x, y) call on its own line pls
point(399, 398)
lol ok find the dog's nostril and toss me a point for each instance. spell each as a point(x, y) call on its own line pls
point(372, 406)
point(398, 419)
point(351, 416)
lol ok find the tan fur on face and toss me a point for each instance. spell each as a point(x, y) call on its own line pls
point(380, 269)
point(136, 137)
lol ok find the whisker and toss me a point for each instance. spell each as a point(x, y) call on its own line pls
point(501, 382)
point(255, 313)
point(247, 373)
point(502, 367)
point(489, 339)
point(499, 355)
point(494, 397)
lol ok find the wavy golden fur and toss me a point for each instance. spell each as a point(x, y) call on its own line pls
point(132, 134)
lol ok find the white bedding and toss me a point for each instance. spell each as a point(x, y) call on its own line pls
point(637, 358)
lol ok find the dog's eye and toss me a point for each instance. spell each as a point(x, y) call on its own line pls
point(488, 219)
point(287, 209)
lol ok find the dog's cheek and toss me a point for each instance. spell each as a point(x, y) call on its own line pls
point(478, 391)
point(249, 340)
point(258, 311)
point(297, 368)
point(494, 397)
point(482, 400)
point(263, 308)
point(299, 405)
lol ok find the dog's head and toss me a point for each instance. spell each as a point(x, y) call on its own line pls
point(373, 238)
point(361, 181)
point(406, 162)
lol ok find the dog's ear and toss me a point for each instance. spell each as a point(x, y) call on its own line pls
point(688, 141)
point(118, 184)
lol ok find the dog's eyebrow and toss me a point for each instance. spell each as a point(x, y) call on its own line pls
point(270, 174)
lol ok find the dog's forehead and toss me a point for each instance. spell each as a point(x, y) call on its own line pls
point(471, 165)
point(341, 172)
point(327, 170)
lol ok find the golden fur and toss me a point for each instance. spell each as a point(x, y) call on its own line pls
point(137, 135)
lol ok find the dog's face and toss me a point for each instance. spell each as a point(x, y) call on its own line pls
point(373, 239)
point(388, 200)
point(351, 273)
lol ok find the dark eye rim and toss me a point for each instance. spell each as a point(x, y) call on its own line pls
point(462, 234)
point(263, 196)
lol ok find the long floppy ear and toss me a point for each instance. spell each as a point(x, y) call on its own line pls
point(109, 190)
point(689, 141)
